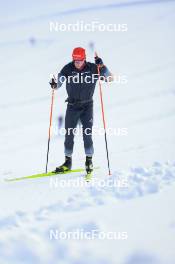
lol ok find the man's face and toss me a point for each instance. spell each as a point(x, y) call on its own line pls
point(79, 63)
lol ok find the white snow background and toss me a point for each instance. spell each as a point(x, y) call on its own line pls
point(144, 159)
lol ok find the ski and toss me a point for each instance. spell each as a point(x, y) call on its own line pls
point(41, 175)
point(88, 176)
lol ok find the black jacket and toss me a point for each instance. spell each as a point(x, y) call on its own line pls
point(80, 84)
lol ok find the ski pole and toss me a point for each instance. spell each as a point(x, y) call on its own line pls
point(103, 116)
point(50, 124)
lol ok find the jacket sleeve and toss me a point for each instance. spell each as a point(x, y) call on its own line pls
point(104, 72)
point(62, 76)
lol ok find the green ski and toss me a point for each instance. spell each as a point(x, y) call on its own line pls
point(88, 176)
point(41, 175)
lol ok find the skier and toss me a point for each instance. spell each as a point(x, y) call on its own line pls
point(81, 77)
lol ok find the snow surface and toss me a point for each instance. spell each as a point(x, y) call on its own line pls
point(141, 205)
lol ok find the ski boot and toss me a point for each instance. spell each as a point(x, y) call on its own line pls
point(88, 164)
point(89, 168)
point(66, 166)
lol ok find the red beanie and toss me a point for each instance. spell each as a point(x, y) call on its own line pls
point(79, 54)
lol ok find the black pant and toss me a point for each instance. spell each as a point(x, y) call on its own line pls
point(74, 114)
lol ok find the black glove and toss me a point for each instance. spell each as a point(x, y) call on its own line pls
point(98, 61)
point(53, 84)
